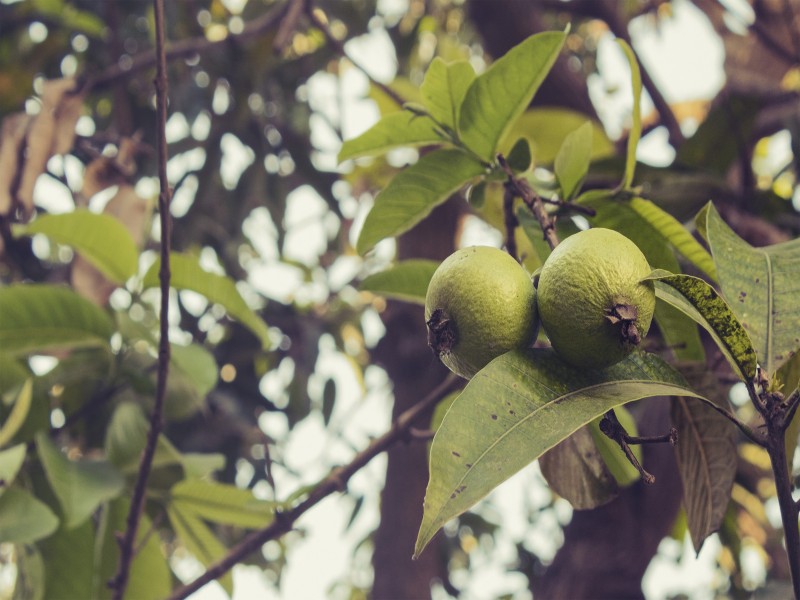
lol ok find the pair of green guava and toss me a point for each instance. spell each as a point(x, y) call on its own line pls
point(590, 299)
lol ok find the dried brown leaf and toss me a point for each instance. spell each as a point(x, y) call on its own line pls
point(12, 136)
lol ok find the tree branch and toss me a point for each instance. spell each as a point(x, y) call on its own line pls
point(127, 551)
point(335, 481)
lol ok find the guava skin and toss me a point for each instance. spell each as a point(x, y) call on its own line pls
point(480, 304)
point(592, 303)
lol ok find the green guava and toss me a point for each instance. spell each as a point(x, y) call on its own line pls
point(480, 304)
point(593, 304)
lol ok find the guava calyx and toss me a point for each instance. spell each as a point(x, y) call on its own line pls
point(625, 315)
point(442, 333)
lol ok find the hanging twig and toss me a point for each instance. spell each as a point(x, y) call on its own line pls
point(127, 540)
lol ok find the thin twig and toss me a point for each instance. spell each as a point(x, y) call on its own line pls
point(126, 555)
point(614, 430)
point(335, 481)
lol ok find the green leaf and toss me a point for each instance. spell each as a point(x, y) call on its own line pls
point(497, 98)
point(11, 461)
point(415, 192)
point(187, 274)
point(12, 372)
point(100, 238)
point(68, 557)
point(706, 455)
point(150, 575)
point(636, 126)
point(198, 364)
point(547, 128)
point(676, 234)
point(23, 518)
point(19, 412)
point(395, 130)
point(698, 300)
point(679, 332)
point(443, 89)
point(79, 486)
point(575, 470)
point(199, 540)
point(39, 317)
point(407, 280)
point(519, 158)
point(572, 161)
point(761, 286)
point(221, 503)
point(515, 409)
point(126, 437)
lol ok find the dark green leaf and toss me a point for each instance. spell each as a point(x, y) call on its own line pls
point(515, 409)
point(706, 455)
point(407, 280)
point(23, 518)
point(679, 332)
point(519, 158)
point(199, 540)
point(636, 127)
point(11, 461)
point(19, 412)
point(187, 274)
point(221, 503)
point(698, 300)
point(395, 130)
point(100, 238)
point(415, 192)
point(126, 437)
point(572, 161)
point(761, 286)
point(79, 486)
point(443, 89)
point(328, 400)
point(12, 372)
point(575, 470)
point(496, 98)
point(38, 317)
point(69, 562)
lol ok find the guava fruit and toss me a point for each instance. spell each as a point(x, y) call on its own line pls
point(592, 301)
point(480, 304)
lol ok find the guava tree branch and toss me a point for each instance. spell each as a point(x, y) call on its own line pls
point(335, 481)
point(127, 540)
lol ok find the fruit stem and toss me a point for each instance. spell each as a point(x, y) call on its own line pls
point(625, 315)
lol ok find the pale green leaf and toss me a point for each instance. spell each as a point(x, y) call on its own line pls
point(761, 285)
point(515, 409)
point(199, 540)
point(126, 437)
point(18, 414)
point(636, 126)
point(23, 518)
point(30, 573)
point(79, 486)
point(40, 317)
point(407, 280)
point(150, 575)
point(11, 461)
point(676, 234)
point(187, 274)
point(13, 372)
point(415, 192)
point(198, 364)
point(395, 130)
point(221, 503)
point(699, 301)
point(572, 161)
point(100, 238)
point(68, 557)
point(443, 89)
point(496, 98)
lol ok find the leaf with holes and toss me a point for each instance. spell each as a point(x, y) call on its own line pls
point(519, 406)
point(761, 285)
